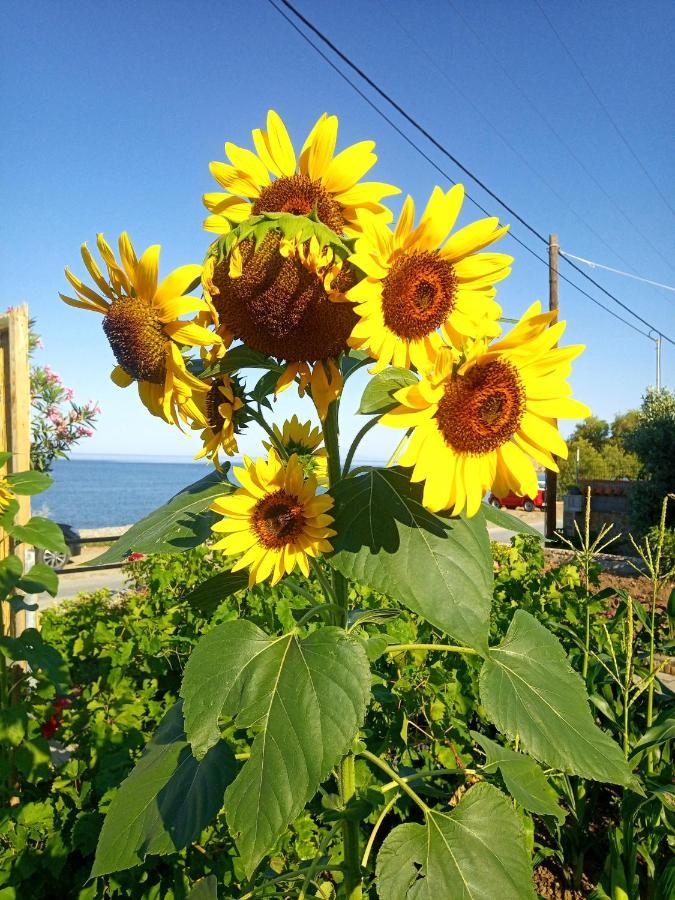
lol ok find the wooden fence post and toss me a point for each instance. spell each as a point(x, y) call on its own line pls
point(15, 419)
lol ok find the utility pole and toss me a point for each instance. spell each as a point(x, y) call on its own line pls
point(551, 477)
point(658, 362)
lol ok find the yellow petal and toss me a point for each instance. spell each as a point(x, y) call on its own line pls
point(319, 147)
point(472, 238)
point(177, 283)
point(145, 281)
point(280, 145)
point(121, 377)
point(247, 164)
point(190, 334)
point(348, 167)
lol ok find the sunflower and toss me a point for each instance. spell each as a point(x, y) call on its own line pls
point(419, 282)
point(142, 324)
point(275, 521)
point(479, 417)
point(224, 410)
point(300, 438)
point(275, 180)
point(272, 281)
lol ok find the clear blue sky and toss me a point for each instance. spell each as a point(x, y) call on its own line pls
point(112, 114)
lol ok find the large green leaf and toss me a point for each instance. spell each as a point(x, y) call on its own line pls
point(40, 577)
point(306, 699)
point(8, 514)
point(31, 648)
point(166, 801)
point(506, 520)
point(378, 396)
point(11, 568)
point(528, 688)
point(475, 852)
point(29, 483)
point(242, 357)
point(437, 566)
point(181, 524)
point(208, 596)
point(205, 889)
point(522, 776)
point(39, 532)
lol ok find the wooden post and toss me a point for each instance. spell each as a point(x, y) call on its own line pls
point(551, 477)
point(15, 419)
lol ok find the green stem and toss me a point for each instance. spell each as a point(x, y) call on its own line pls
point(442, 648)
point(656, 573)
point(339, 596)
point(427, 773)
point(630, 637)
point(401, 782)
point(260, 419)
point(376, 828)
point(355, 443)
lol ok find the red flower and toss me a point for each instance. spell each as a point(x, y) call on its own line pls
point(50, 727)
point(134, 557)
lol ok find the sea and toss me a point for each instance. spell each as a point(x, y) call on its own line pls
point(111, 492)
point(103, 493)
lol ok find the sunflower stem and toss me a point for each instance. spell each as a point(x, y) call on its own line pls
point(355, 443)
point(347, 769)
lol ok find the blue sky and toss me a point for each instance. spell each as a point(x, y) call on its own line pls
point(112, 114)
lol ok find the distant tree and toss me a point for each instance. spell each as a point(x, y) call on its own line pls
point(593, 430)
point(611, 461)
point(623, 424)
point(653, 442)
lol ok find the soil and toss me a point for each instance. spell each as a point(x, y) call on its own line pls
point(549, 886)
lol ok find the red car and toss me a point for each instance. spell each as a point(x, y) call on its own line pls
point(513, 501)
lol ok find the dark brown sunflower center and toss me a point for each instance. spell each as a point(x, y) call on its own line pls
point(278, 519)
point(137, 340)
point(299, 195)
point(213, 414)
point(280, 308)
point(418, 294)
point(482, 410)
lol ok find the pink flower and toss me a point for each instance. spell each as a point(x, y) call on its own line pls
point(69, 393)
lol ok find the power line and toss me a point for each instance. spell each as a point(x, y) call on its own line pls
point(551, 127)
point(590, 87)
point(446, 153)
point(467, 99)
point(597, 265)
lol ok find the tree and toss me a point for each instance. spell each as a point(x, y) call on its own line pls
point(653, 442)
point(593, 430)
point(623, 424)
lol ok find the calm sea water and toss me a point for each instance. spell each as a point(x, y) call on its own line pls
point(101, 493)
point(104, 493)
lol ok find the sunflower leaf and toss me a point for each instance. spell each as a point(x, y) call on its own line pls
point(181, 524)
point(378, 397)
point(522, 776)
point(166, 801)
point(439, 567)
point(29, 483)
point(306, 700)
point(528, 688)
point(208, 596)
point(39, 532)
point(477, 850)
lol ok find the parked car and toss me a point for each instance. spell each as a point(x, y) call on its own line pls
point(514, 501)
point(58, 561)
